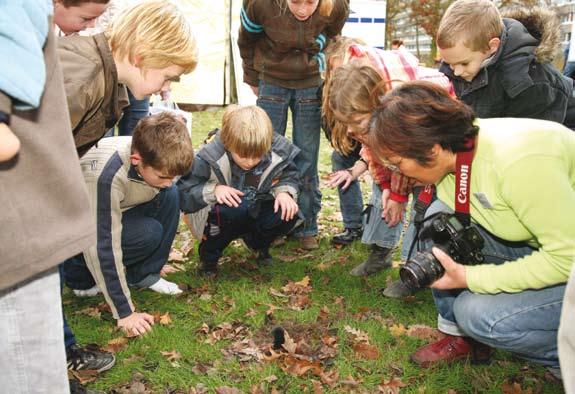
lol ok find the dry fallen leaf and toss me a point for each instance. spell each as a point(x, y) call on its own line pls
point(83, 376)
point(511, 387)
point(165, 319)
point(276, 293)
point(289, 343)
point(391, 386)
point(227, 390)
point(426, 333)
point(317, 387)
point(90, 311)
point(271, 378)
point(171, 356)
point(330, 378)
point(350, 381)
point(366, 351)
point(117, 344)
point(298, 367)
point(397, 330)
point(359, 336)
point(175, 255)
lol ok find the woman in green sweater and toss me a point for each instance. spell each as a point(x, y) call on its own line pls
point(518, 178)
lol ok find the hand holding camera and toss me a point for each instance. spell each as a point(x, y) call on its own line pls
point(453, 243)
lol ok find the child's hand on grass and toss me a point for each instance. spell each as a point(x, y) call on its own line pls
point(228, 195)
point(137, 323)
point(287, 205)
point(341, 178)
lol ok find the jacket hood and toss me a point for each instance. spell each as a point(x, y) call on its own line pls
point(540, 24)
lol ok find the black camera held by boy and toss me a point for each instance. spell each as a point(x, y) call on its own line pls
point(462, 243)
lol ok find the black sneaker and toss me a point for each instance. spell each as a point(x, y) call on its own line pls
point(264, 258)
point(89, 358)
point(348, 236)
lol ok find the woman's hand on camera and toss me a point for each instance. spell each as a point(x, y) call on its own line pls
point(454, 277)
point(340, 177)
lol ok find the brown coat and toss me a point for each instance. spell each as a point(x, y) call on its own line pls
point(277, 48)
point(95, 96)
point(45, 215)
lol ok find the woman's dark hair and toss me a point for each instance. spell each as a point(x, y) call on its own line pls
point(415, 116)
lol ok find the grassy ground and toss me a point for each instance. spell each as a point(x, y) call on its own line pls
point(342, 336)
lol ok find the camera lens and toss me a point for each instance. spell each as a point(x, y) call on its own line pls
point(421, 271)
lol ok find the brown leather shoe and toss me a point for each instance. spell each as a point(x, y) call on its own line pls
point(449, 349)
point(309, 242)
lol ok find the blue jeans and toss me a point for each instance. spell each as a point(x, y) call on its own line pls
point(227, 223)
point(69, 337)
point(148, 231)
point(525, 323)
point(375, 229)
point(569, 70)
point(305, 107)
point(350, 199)
point(132, 114)
point(137, 110)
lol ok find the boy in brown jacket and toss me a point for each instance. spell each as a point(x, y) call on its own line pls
point(145, 49)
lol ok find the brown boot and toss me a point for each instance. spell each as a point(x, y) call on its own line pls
point(449, 349)
point(309, 242)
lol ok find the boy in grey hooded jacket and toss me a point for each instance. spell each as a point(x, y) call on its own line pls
point(243, 184)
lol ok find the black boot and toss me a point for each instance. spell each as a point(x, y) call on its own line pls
point(208, 269)
point(348, 236)
point(264, 259)
point(378, 259)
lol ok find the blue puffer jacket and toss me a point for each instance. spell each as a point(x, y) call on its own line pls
point(24, 26)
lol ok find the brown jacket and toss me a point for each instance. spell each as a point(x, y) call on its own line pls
point(45, 210)
point(277, 48)
point(95, 97)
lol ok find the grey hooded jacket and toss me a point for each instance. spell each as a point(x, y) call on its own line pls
point(212, 167)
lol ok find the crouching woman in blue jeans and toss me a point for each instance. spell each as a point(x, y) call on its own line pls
point(519, 185)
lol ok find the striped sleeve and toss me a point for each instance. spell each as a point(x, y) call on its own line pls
point(105, 259)
point(249, 34)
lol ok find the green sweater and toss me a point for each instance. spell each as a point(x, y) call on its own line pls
point(522, 189)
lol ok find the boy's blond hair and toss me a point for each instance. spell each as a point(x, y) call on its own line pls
point(246, 131)
point(154, 34)
point(475, 22)
point(163, 143)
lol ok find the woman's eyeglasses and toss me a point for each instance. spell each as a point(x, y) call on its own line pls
point(392, 165)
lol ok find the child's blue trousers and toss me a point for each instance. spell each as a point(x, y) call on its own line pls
point(227, 223)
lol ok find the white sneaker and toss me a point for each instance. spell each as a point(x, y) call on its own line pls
point(165, 287)
point(91, 292)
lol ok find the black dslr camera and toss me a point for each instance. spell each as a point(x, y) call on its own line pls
point(462, 243)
